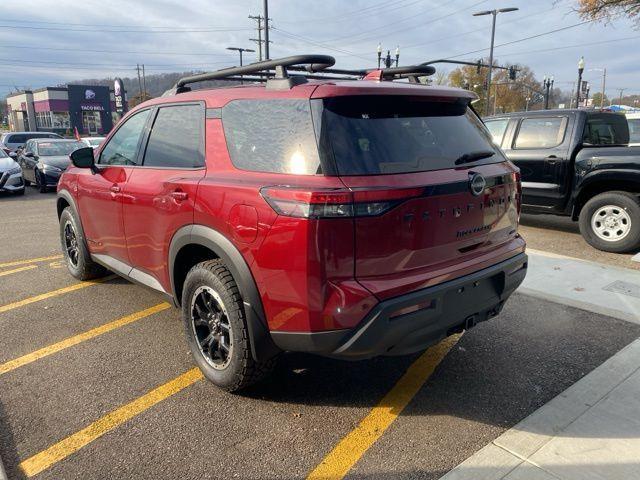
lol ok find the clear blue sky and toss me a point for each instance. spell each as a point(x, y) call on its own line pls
point(46, 42)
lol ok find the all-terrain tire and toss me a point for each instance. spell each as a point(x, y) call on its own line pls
point(79, 264)
point(240, 369)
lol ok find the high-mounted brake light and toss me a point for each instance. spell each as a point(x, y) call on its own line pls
point(335, 203)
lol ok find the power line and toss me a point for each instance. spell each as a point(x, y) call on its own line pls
point(207, 30)
point(377, 32)
point(524, 39)
point(317, 44)
point(362, 12)
point(107, 64)
point(511, 54)
point(33, 47)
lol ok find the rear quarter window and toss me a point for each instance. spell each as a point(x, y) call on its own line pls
point(273, 136)
point(634, 130)
point(606, 129)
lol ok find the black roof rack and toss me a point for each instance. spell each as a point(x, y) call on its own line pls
point(275, 73)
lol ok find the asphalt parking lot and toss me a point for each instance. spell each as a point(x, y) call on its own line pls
point(96, 381)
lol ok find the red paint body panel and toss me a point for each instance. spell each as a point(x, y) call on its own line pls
point(155, 207)
point(312, 274)
point(100, 208)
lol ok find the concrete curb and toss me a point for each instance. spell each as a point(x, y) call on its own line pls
point(513, 454)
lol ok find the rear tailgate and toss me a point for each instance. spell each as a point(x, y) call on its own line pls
point(449, 199)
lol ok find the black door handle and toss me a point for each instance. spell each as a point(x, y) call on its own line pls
point(551, 159)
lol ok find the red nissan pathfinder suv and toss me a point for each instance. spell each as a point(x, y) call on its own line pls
point(338, 212)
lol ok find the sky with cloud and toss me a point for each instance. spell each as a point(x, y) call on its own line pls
point(49, 42)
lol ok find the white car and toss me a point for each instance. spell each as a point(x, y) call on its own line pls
point(92, 142)
point(634, 128)
point(11, 179)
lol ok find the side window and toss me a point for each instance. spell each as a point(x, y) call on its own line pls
point(497, 128)
point(176, 138)
point(122, 147)
point(606, 129)
point(541, 132)
point(634, 130)
point(271, 136)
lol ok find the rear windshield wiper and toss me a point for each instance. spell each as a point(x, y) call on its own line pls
point(473, 156)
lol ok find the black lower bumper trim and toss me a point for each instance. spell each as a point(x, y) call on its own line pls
point(412, 322)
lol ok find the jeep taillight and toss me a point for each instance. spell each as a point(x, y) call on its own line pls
point(335, 203)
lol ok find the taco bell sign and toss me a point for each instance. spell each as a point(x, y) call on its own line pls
point(118, 93)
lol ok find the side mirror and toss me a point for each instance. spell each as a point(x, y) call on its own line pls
point(28, 154)
point(13, 155)
point(83, 158)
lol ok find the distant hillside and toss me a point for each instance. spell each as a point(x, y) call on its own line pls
point(157, 83)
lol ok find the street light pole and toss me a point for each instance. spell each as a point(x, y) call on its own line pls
point(494, 14)
point(547, 82)
point(580, 71)
point(387, 60)
point(240, 51)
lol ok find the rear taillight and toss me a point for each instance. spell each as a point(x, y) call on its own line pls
point(335, 203)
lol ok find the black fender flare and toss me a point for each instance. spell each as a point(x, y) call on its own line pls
point(629, 176)
point(66, 195)
point(262, 346)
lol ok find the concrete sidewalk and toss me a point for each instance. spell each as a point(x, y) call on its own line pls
point(599, 288)
point(592, 429)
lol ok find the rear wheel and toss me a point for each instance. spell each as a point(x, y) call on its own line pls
point(216, 328)
point(611, 222)
point(74, 249)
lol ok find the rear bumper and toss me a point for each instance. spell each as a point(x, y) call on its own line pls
point(412, 322)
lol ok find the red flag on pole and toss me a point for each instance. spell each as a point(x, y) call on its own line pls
point(76, 134)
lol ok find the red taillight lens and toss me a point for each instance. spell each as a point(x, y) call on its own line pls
point(334, 203)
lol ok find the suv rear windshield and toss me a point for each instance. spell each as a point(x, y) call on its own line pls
point(22, 138)
point(606, 129)
point(369, 135)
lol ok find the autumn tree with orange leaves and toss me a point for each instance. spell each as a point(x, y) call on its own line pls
point(606, 10)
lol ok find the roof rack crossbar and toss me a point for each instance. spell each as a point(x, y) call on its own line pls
point(313, 63)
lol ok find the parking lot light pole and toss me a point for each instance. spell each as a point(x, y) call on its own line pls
point(379, 55)
point(580, 71)
point(494, 13)
point(240, 51)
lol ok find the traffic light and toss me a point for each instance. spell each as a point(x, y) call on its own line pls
point(478, 66)
point(512, 73)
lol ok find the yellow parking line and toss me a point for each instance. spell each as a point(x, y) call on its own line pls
point(82, 337)
point(349, 450)
point(61, 450)
point(16, 270)
point(53, 293)
point(30, 260)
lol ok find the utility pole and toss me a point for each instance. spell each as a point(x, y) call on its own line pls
point(139, 79)
point(144, 82)
point(621, 90)
point(604, 82)
point(265, 4)
point(258, 18)
point(240, 51)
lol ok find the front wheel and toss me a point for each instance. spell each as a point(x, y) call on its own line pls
point(74, 249)
point(611, 222)
point(216, 328)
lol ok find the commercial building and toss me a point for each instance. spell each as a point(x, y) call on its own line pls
point(89, 108)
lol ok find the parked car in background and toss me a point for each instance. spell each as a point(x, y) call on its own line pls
point(12, 141)
point(577, 163)
point(43, 160)
point(92, 142)
point(634, 128)
point(10, 175)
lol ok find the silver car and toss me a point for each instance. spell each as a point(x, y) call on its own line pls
point(11, 179)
